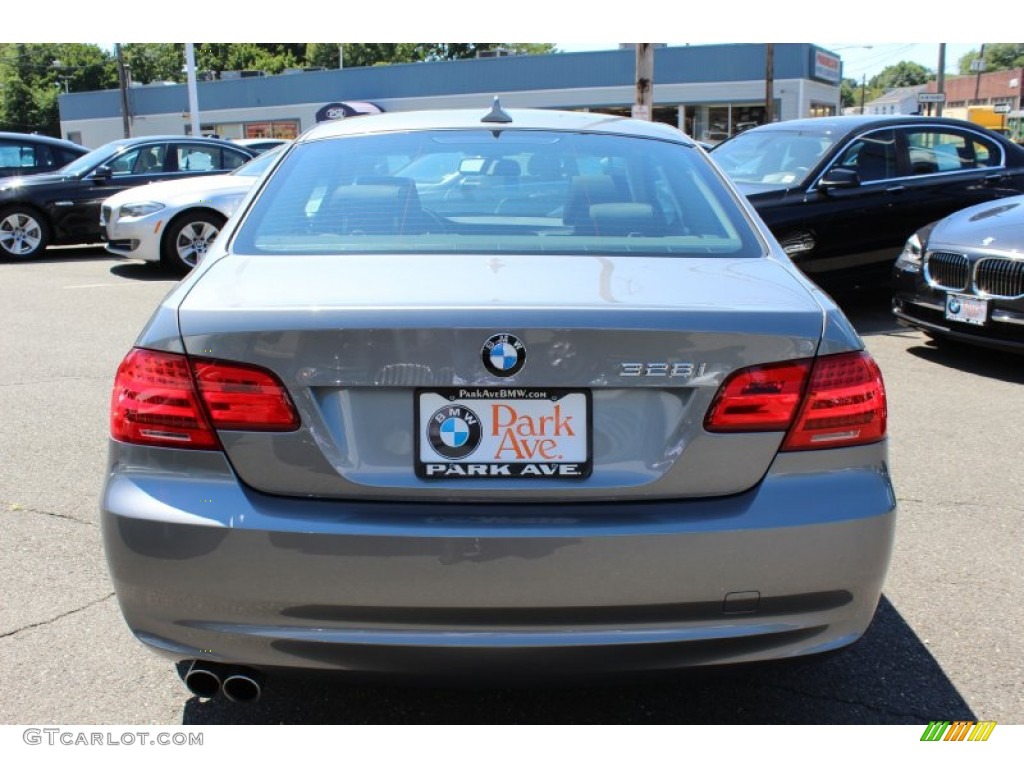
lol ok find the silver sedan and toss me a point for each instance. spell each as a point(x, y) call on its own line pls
point(575, 413)
point(175, 222)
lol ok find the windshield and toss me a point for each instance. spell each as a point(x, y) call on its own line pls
point(259, 164)
point(772, 157)
point(87, 162)
point(495, 191)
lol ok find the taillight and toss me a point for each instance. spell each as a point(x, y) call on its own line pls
point(759, 399)
point(829, 402)
point(844, 405)
point(156, 401)
point(244, 397)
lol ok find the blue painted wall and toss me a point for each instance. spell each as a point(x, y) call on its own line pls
point(689, 64)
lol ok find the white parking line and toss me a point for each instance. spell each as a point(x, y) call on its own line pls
point(102, 285)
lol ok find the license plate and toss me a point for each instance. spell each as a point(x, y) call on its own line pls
point(498, 432)
point(966, 309)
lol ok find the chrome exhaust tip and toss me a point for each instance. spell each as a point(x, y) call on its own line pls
point(243, 686)
point(203, 679)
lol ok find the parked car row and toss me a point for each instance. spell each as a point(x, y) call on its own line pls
point(842, 195)
point(62, 207)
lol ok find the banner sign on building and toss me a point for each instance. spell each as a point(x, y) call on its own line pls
point(825, 66)
point(337, 110)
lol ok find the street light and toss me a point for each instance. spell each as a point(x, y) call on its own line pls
point(64, 78)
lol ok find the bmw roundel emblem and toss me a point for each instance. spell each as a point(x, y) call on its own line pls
point(454, 431)
point(503, 354)
point(954, 306)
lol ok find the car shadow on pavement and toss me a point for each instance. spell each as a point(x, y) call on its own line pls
point(64, 253)
point(142, 270)
point(889, 677)
point(869, 308)
point(980, 361)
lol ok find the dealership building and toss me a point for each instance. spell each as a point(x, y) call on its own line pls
point(708, 91)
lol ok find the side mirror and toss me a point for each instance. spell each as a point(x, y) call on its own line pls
point(839, 178)
point(102, 174)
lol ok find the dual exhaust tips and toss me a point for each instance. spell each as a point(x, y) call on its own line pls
point(239, 684)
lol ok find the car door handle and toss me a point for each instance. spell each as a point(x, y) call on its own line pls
point(896, 189)
point(995, 178)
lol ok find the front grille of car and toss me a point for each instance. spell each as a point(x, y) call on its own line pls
point(106, 214)
point(1001, 278)
point(947, 270)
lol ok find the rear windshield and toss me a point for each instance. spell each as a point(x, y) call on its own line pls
point(495, 191)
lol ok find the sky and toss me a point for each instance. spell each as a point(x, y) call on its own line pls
point(859, 59)
point(885, 24)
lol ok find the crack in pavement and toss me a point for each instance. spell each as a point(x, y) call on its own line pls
point(56, 618)
point(956, 503)
point(50, 380)
point(13, 506)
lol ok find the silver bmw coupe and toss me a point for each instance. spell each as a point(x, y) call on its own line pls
point(519, 392)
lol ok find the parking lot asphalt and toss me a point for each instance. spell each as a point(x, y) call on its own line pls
point(946, 643)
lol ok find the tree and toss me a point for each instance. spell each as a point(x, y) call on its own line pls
point(998, 56)
point(33, 74)
point(155, 62)
point(849, 92)
point(902, 75)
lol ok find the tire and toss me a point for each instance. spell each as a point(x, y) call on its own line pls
point(187, 238)
point(24, 233)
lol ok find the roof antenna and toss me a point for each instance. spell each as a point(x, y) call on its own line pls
point(497, 114)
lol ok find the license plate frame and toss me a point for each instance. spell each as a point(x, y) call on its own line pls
point(520, 433)
point(970, 310)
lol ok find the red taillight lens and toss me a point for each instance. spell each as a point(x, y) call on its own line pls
point(154, 403)
point(155, 400)
point(845, 404)
point(243, 397)
point(759, 399)
point(830, 402)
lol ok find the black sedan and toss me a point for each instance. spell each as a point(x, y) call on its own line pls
point(843, 194)
point(26, 154)
point(962, 278)
point(63, 208)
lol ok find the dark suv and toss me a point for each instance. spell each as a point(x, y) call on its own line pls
point(63, 208)
point(26, 154)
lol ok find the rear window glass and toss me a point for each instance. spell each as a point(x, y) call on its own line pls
point(502, 191)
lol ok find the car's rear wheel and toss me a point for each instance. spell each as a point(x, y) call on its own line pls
point(24, 233)
point(188, 238)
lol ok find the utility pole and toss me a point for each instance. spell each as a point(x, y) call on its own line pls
point(193, 91)
point(769, 82)
point(940, 82)
point(122, 79)
point(863, 89)
point(979, 65)
point(644, 81)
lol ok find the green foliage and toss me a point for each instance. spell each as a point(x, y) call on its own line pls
point(849, 92)
point(32, 75)
point(998, 56)
point(902, 75)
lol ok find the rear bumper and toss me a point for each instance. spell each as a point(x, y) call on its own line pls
point(206, 568)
